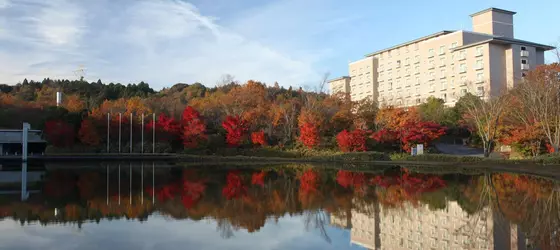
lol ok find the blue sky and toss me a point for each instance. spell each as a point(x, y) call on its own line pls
point(163, 42)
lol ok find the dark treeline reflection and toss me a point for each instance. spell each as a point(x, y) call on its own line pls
point(398, 208)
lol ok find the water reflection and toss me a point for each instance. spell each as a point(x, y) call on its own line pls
point(394, 209)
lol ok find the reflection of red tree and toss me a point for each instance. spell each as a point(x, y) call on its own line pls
point(407, 187)
point(308, 181)
point(350, 179)
point(87, 184)
point(59, 184)
point(190, 191)
point(234, 187)
point(258, 178)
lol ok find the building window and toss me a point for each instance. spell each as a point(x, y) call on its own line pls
point(453, 45)
point(463, 79)
point(452, 83)
point(431, 64)
point(442, 73)
point(398, 63)
point(523, 48)
point(398, 84)
point(431, 53)
point(417, 80)
point(523, 61)
point(417, 69)
point(479, 51)
point(432, 76)
point(442, 49)
point(408, 71)
point(442, 61)
point(390, 85)
point(480, 77)
point(462, 55)
point(443, 84)
point(407, 61)
point(462, 68)
point(479, 64)
point(463, 91)
point(444, 97)
point(417, 59)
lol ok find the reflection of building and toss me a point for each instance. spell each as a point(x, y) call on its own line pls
point(441, 64)
point(421, 228)
point(342, 220)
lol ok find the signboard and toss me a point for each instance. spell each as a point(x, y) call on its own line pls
point(420, 149)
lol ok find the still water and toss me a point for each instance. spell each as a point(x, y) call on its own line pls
point(162, 206)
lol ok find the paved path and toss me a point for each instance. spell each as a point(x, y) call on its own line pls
point(458, 149)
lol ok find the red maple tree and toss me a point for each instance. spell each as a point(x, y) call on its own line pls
point(258, 138)
point(167, 128)
point(194, 128)
point(410, 134)
point(59, 133)
point(88, 133)
point(309, 135)
point(351, 141)
point(236, 129)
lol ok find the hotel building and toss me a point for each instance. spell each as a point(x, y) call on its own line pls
point(445, 65)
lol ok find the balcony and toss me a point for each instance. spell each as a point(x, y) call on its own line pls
point(524, 53)
point(525, 67)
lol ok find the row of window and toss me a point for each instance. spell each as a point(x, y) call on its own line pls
point(479, 65)
point(455, 95)
point(396, 51)
point(431, 62)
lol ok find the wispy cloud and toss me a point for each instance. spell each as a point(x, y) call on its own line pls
point(159, 41)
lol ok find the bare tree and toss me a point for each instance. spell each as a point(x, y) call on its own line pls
point(225, 79)
point(485, 115)
point(323, 82)
point(539, 97)
point(556, 51)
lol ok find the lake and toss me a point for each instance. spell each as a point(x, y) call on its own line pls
point(291, 206)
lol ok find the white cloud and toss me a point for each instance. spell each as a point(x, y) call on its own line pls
point(4, 4)
point(161, 42)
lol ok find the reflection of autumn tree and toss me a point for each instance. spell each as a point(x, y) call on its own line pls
point(533, 203)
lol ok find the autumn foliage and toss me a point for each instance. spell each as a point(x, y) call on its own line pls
point(258, 138)
point(309, 135)
point(234, 187)
point(236, 128)
point(59, 133)
point(194, 128)
point(88, 134)
point(405, 128)
point(352, 141)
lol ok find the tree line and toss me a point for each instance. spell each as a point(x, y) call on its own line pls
point(254, 115)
